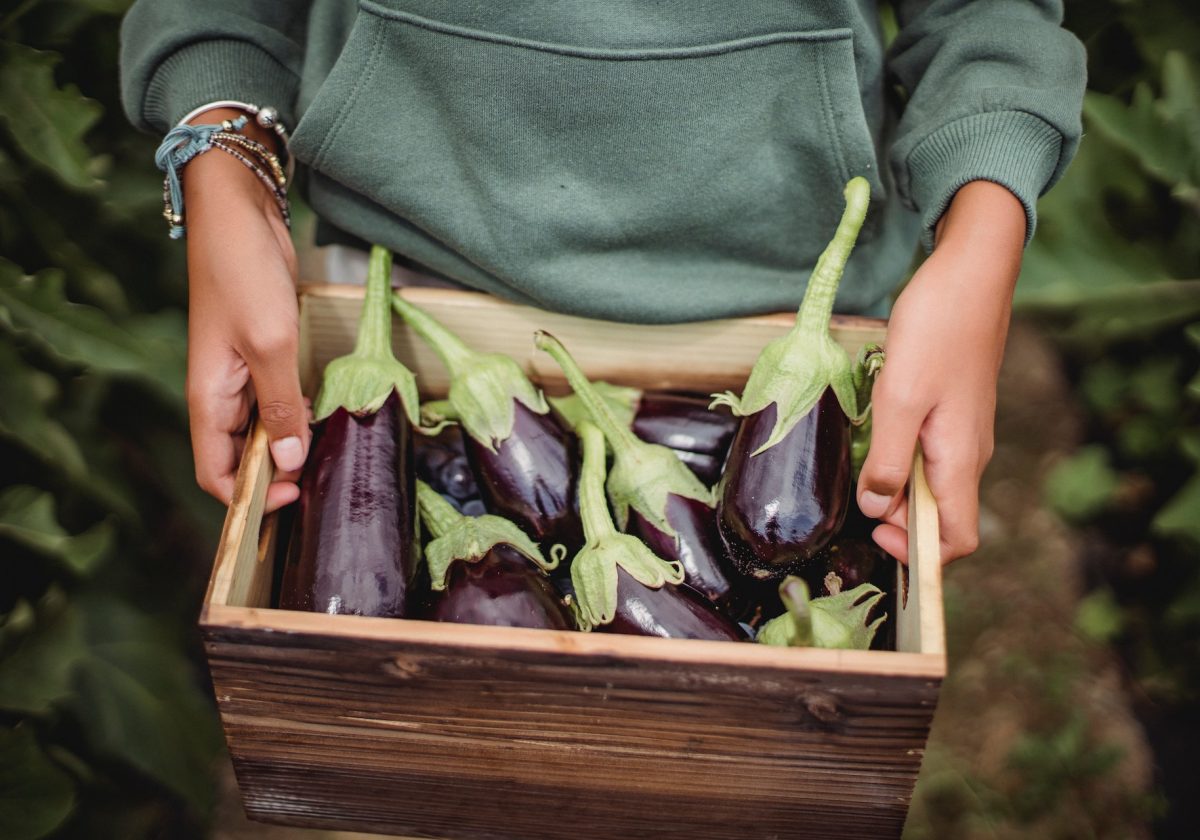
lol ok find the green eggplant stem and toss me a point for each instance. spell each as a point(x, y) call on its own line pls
point(816, 308)
point(374, 339)
point(438, 514)
point(602, 414)
point(794, 594)
point(593, 506)
point(361, 381)
point(452, 350)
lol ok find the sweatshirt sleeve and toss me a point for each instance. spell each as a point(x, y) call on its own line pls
point(177, 55)
point(994, 92)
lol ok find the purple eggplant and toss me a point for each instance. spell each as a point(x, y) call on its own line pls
point(699, 436)
point(786, 484)
point(352, 547)
point(523, 459)
point(441, 462)
point(620, 585)
point(673, 612)
point(486, 570)
point(780, 508)
point(655, 496)
point(684, 423)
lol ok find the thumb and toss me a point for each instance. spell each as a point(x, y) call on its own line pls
point(895, 425)
point(281, 406)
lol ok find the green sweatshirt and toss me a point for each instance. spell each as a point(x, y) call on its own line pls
point(631, 159)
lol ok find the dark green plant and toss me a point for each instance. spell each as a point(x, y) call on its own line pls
point(106, 725)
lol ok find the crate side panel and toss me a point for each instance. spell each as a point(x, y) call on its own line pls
point(430, 740)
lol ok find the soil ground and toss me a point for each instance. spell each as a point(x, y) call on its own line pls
point(1034, 735)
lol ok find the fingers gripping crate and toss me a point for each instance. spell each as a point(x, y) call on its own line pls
point(455, 731)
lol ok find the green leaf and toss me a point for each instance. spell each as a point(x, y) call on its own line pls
point(1081, 485)
point(1099, 617)
point(1163, 134)
point(132, 691)
point(139, 700)
point(27, 518)
point(139, 348)
point(35, 672)
point(1180, 516)
point(24, 393)
point(36, 795)
point(47, 123)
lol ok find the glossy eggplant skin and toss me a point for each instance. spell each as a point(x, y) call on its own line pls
point(501, 589)
point(530, 479)
point(778, 509)
point(441, 462)
point(351, 551)
point(698, 549)
point(684, 423)
point(706, 467)
point(672, 612)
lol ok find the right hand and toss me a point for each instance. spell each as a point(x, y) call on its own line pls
point(243, 323)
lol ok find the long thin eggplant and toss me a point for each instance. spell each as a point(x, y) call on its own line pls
point(655, 496)
point(834, 621)
point(485, 570)
point(524, 460)
point(352, 549)
point(698, 435)
point(620, 585)
point(786, 484)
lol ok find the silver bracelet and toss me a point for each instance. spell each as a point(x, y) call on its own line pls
point(267, 117)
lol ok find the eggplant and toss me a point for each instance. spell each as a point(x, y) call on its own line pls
point(684, 423)
point(834, 621)
point(620, 585)
point(486, 570)
point(441, 462)
point(524, 460)
point(656, 497)
point(352, 549)
point(786, 484)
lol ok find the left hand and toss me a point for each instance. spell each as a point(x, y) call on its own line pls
point(938, 386)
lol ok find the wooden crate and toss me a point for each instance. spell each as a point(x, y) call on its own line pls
point(456, 731)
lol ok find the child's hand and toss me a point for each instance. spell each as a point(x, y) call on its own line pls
point(243, 324)
point(944, 348)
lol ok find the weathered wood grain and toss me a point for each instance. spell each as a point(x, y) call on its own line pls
point(454, 731)
point(436, 739)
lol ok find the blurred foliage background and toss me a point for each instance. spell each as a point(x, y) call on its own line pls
point(107, 727)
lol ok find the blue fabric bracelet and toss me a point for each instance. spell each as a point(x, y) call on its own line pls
point(182, 143)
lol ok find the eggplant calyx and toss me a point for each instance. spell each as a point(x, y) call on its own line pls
point(867, 367)
point(467, 538)
point(643, 474)
point(594, 569)
point(834, 621)
point(794, 370)
point(361, 381)
point(484, 387)
point(621, 400)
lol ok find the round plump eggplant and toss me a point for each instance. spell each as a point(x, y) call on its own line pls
point(779, 508)
point(698, 549)
point(672, 612)
point(706, 467)
point(684, 423)
point(352, 549)
point(530, 478)
point(501, 589)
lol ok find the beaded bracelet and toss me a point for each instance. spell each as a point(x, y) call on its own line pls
point(185, 142)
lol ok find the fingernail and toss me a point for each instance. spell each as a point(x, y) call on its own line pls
point(872, 504)
point(288, 453)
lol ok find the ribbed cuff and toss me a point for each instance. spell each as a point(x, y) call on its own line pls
point(208, 71)
point(1015, 149)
